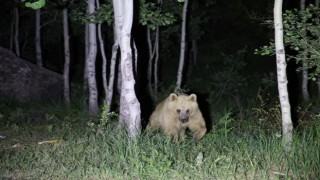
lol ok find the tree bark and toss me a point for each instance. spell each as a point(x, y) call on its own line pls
point(282, 77)
point(86, 50)
point(150, 62)
point(91, 62)
point(129, 104)
point(38, 38)
point(156, 62)
point(183, 46)
point(16, 31)
point(115, 48)
point(304, 83)
point(66, 69)
point(104, 58)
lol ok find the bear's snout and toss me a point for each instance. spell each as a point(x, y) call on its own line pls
point(184, 120)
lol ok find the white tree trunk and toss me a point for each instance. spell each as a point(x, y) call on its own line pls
point(66, 83)
point(156, 62)
point(129, 104)
point(104, 58)
point(115, 48)
point(135, 58)
point(86, 50)
point(304, 78)
point(183, 45)
point(150, 62)
point(91, 62)
point(16, 31)
point(282, 77)
point(38, 38)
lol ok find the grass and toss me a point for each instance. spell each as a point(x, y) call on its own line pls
point(58, 144)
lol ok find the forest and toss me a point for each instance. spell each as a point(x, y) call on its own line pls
point(156, 89)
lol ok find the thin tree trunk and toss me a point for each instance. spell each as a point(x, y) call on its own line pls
point(66, 83)
point(16, 31)
point(115, 48)
point(194, 52)
point(91, 62)
point(282, 77)
point(304, 83)
point(129, 104)
point(317, 2)
point(104, 58)
point(12, 30)
point(156, 62)
point(183, 46)
point(150, 62)
point(38, 38)
point(135, 58)
point(85, 70)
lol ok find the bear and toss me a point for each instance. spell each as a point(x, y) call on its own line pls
point(177, 113)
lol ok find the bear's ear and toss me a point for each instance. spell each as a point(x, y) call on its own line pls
point(173, 97)
point(193, 97)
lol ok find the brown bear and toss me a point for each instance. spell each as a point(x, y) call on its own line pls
point(175, 114)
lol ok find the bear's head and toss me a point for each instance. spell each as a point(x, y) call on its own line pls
point(183, 106)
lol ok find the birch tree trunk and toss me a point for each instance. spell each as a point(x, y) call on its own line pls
point(66, 83)
point(183, 45)
point(86, 49)
point(282, 77)
point(304, 78)
point(16, 31)
point(91, 62)
point(104, 58)
point(156, 62)
point(129, 104)
point(38, 38)
point(150, 62)
point(115, 48)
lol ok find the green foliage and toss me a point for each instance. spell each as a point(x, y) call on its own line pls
point(102, 14)
point(224, 124)
point(151, 16)
point(105, 119)
point(36, 5)
point(301, 36)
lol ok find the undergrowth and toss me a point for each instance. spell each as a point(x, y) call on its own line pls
point(67, 144)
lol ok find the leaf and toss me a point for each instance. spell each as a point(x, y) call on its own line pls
point(36, 5)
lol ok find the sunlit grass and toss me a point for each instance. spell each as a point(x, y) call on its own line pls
point(62, 146)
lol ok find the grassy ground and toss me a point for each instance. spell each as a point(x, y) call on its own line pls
point(53, 143)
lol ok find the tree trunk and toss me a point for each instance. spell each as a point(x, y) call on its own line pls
point(91, 62)
point(129, 104)
point(86, 50)
point(66, 83)
point(115, 48)
point(38, 38)
point(183, 46)
point(317, 2)
point(156, 62)
point(104, 58)
point(150, 62)
point(16, 31)
point(135, 58)
point(194, 52)
point(304, 78)
point(282, 77)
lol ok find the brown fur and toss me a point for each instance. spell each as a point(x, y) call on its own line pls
point(175, 114)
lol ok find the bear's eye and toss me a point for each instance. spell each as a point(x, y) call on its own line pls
point(178, 111)
point(188, 111)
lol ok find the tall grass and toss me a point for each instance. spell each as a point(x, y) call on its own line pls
point(80, 153)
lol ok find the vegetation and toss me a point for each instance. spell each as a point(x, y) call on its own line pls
point(49, 142)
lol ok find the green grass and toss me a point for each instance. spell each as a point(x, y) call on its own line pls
point(80, 153)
